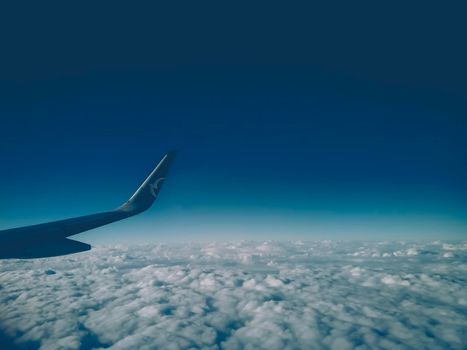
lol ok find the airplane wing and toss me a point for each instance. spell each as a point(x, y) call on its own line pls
point(49, 239)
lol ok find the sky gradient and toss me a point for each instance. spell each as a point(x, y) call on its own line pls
point(299, 131)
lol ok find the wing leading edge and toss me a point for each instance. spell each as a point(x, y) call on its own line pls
point(49, 239)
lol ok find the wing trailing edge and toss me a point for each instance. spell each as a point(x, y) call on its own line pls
point(45, 249)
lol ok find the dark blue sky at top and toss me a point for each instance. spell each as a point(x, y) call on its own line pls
point(291, 121)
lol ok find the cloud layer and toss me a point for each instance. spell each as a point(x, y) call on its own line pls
point(241, 295)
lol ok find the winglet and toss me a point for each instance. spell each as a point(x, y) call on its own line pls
point(147, 193)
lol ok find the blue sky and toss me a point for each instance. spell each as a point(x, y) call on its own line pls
point(306, 131)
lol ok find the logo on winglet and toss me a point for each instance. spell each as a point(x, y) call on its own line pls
point(154, 187)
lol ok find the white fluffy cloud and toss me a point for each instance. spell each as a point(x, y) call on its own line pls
point(241, 295)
